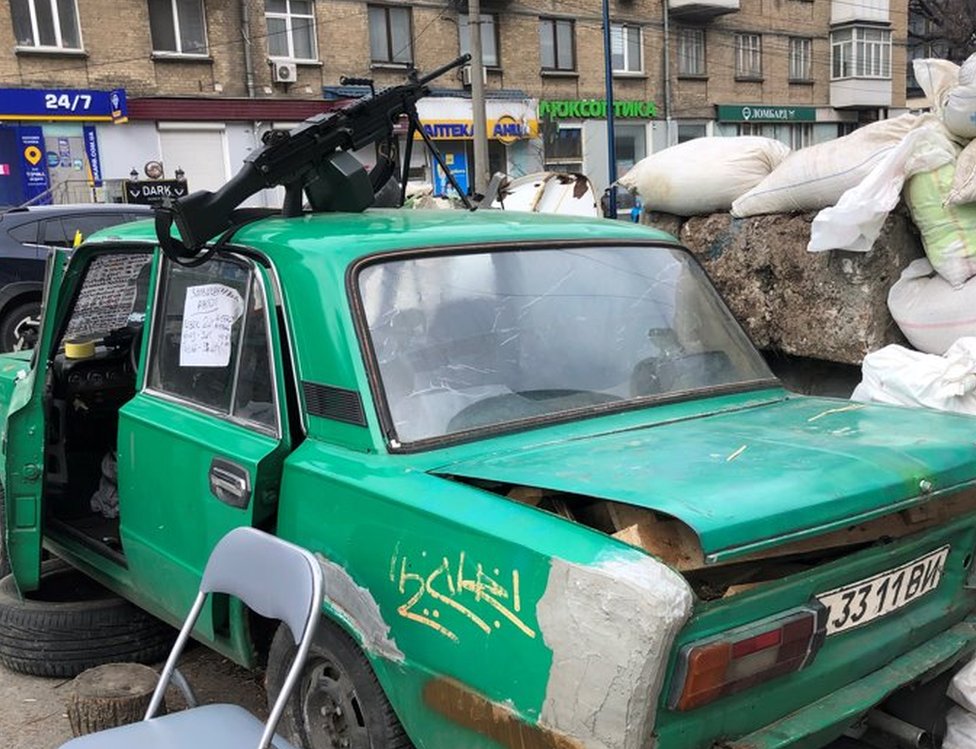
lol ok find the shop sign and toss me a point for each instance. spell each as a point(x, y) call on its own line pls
point(581, 109)
point(764, 113)
point(92, 156)
point(506, 129)
point(153, 192)
point(62, 104)
point(36, 181)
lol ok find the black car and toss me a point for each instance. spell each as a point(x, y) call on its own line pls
point(25, 236)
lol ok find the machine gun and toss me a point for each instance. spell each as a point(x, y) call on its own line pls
point(312, 161)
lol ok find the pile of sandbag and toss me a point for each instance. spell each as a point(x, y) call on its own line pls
point(704, 175)
point(933, 302)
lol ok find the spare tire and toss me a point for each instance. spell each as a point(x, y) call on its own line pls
point(71, 623)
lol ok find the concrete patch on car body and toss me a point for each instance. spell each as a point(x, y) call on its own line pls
point(610, 627)
point(358, 609)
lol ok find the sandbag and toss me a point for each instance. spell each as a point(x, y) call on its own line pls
point(960, 729)
point(855, 222)
point(816, 177)
point(959, 112)
point(964, 180)
point(948, 231)
point(901, 377)
point(703, 175)
point(962, 688)
point(932, 314)
point(936, 78)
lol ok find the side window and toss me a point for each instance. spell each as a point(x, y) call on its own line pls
point(88, 225)
point(210, 341)
point(52, 233)
point(25, 233)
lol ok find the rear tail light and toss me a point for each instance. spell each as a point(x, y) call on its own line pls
point(743, 657)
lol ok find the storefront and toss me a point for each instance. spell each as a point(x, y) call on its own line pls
point(796, 126)
point(514, 146)
point(50, 143)
point(574, 133)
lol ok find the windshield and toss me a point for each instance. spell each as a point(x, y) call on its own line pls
point(477, 340)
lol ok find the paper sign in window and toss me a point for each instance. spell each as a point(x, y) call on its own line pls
point(209, 314)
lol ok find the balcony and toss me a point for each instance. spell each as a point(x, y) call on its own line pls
point(702, 10)
point(847, 11)
point(860, 93)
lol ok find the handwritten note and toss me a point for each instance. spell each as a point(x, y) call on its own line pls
point(108, 296)
point(209, 314)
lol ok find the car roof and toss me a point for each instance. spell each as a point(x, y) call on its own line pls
point(346, 237)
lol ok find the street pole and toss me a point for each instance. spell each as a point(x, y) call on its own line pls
point(478, 119)
point(611, 141)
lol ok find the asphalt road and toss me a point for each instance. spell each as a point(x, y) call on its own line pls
point(32, 712)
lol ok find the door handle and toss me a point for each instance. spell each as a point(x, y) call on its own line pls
point(230, 482)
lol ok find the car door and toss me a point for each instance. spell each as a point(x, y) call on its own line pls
point(23, 444)
point(202, 444)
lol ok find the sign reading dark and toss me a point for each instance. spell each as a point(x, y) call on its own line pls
point(153, 192)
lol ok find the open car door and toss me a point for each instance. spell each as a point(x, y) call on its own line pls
point(23, 454)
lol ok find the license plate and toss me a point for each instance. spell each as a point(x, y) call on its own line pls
point(862, 602)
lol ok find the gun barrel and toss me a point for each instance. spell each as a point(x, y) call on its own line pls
point(456, 63)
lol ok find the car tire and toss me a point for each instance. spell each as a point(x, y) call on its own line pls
point(4, 564)
point(71, 623)
point(338, 700)
point(19, 328)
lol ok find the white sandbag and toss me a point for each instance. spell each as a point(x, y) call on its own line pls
point(948, 231)
point(959, 112)
point(816, 177)
point(901, 377)
point(962, 688)
point(960, 729)
point(703, 175)
point(936, 78)
point(932, 314)
point(964, 180)
point(856, 221)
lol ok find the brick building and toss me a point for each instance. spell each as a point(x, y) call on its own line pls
point(192, 84)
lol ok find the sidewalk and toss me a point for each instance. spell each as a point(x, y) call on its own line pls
point(32, 710)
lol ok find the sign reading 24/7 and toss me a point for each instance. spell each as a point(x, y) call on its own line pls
point(62, 104)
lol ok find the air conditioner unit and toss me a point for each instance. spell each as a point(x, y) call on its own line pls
point(466, 75)
point(284, 72)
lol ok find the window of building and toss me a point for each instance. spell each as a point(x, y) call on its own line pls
point(691, 130)
point(801, 135)
point(748, 56)
point(563, 148)
point(630, 144)
point(691, 51)
point(860, 52)
point(625, 48)
point(46, 23)
point(749, 128)
point(801, 59)
point(210, 342)
point(178, 26)
point(557, 44)
point(489, 38)
point(390, 38)
point(291, 29)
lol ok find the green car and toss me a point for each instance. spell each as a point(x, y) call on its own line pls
point(558, 497)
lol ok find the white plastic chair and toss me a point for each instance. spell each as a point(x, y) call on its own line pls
point(272, 577)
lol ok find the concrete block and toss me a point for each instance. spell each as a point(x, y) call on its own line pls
point(830, 305)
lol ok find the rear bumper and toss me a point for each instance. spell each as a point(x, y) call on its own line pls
point(823, 721)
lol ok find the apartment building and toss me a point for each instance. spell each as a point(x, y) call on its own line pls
point(95, 92)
